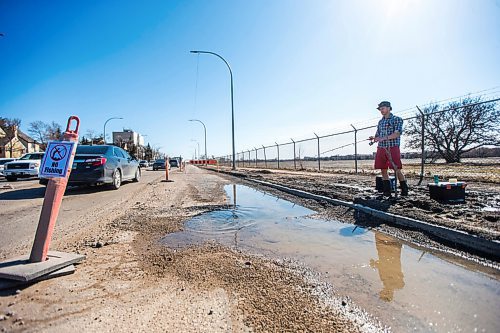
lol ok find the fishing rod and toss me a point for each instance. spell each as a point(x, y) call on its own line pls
point(347, 145)
point(394, 166)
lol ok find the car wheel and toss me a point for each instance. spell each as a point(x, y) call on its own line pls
point(11, 179)
point(117, 180)
point(137, 175)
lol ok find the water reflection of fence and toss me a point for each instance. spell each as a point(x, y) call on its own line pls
point(311, 153)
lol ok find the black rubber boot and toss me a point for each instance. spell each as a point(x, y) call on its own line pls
point(387, 188)
point(404, 188)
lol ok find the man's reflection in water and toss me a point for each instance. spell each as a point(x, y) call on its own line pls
point(388, 265)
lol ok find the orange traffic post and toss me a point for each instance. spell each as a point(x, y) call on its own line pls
point(54, 192)
point(167, 164)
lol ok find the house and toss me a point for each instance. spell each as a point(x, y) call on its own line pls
point(31, 145)
point(14, 143)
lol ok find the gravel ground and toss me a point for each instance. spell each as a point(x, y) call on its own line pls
point(129, 282)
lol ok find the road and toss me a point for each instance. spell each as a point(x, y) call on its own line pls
point(132, 282)
point(20, 208)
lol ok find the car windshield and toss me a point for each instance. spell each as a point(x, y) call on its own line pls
point(32, 157)
point(92, 149)
point(160, 161)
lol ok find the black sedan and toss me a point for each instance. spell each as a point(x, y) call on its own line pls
point(103, 164)
point(160, 164)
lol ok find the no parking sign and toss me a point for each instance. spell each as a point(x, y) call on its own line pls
point(58, 156)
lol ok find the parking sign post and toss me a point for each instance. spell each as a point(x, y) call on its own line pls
point(57, 164)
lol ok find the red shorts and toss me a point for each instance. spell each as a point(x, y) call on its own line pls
point(382, 158)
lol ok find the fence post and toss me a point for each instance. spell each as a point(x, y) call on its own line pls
point(265, 157)
point(294, 158)
point(355, 149)
point(423, 147)
point(278, 149)
point(249, 158)
point(319, 154)
point(255, 156)
point(243, 158)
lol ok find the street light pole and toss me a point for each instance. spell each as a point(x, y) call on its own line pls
point(206, 156)
point(232, 100)
point(143, 146)
point(198, 146)
point(105, 126)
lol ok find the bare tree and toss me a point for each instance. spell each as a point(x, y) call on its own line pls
point(11, 126)
point(43, 132)
point(38, 130)
point(456, 129)
point(55, 131)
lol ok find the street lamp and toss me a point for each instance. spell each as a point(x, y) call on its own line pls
point(206, 156)
point(105, 126)
point(143, 148)
point(232, 100)
point(198, 146)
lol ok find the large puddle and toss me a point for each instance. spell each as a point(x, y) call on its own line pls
point(405, 287)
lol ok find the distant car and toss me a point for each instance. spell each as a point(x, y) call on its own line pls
point(27, 166)
point(174, 163)
point(159, 164)
point(102, 164)
point(143, 163)
point(4, 160)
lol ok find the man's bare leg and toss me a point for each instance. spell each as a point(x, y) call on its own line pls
point(385, 174)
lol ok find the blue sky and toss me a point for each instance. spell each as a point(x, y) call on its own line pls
point(299, 66)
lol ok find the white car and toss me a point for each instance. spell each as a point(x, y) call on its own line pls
point(4, 160)
point(26, 166)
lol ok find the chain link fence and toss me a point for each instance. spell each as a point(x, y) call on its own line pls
point(339, 152)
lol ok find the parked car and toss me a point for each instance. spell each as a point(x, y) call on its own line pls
point(27, 166)
point(143, 163)
point(174, 163)
point(4, 160)
point(159, 164)
point(103, 164)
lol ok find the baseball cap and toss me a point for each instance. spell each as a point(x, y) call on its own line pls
point(384, 103)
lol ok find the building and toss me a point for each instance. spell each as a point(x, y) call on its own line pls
point(131, 141)
point(127, 137)
point(14, 143)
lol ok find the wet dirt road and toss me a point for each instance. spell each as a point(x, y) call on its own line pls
point(130, 282)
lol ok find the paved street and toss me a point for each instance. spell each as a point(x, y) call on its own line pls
point(20, 209)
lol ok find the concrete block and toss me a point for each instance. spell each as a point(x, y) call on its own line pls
point(21, 269)
point(7, 283)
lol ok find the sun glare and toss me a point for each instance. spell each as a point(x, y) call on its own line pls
point(393, 8)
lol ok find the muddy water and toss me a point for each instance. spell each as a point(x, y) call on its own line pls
point(405, 287)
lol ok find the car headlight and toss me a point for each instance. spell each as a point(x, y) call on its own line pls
point(33, 165)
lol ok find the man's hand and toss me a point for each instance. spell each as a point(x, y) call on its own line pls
point(376, 138)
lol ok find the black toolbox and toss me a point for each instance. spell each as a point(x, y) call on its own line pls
point(448, 192)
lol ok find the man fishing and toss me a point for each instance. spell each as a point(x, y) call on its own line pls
point(388, 135)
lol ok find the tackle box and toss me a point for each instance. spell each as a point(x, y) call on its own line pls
point(447, 192)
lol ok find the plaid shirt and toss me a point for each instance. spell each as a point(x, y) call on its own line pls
point(387, 126)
